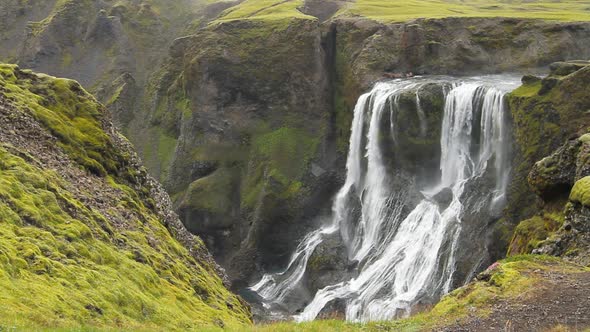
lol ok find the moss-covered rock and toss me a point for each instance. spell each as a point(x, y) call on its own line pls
point(560, 178)
point(581, 192)
point(578, 212)
point(554, 176)
point(328, 265)
point(564, 68)
point(86, 236)
point(542, 123)
point(212, 201)
point(531, 233)
point(572, 240)
point(120, 97)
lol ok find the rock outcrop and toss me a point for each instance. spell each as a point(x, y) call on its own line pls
point(459, 45)
point(560, 224)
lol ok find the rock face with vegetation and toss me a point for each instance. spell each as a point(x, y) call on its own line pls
point(249, 137)
point(241, 143)
point(102, 44)
point(555, 109)
point(86, 236)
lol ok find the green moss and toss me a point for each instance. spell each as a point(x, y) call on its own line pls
point(171, 107)
point(66, 60)
point(316, 262)
point(288, 151)
point(395, 11)
point(581, 192)
point(159, 144)
point(269, 10)
point(585, 138)
point(527, 90)
point(65, 264)
point(530, 233)
point(115, 95)
point(68, 112)
point(212, 193)
point(530, 115)
point(513, 278)
point(222, 152)
point(345, 93)
point(282, 158)
point(56, 266)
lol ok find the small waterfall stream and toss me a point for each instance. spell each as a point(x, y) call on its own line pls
point(406, 249)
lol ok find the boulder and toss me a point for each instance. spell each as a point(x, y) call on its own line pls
point(444, 197)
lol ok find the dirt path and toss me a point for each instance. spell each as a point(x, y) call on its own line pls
point(562, 300)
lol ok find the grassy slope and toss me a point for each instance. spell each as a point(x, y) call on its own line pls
point(264, 10)
point(398, 11)
point(268, 16)
point(63, 262)
point(519, 277)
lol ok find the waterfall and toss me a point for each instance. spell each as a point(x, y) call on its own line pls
point(406, 248)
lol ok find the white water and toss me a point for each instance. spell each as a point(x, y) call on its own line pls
point(403, 258)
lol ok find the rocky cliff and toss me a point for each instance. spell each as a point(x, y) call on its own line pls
point(87, 237)
point(110, 47)
point(312, 74)
point(240, 136)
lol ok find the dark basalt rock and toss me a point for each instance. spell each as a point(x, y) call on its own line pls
point(530, 79)
point(460, 46)
point(547, 84)
point(416, 146)
point(577, 218)
point(554, 176)
point(329, 263)
point(444, 197)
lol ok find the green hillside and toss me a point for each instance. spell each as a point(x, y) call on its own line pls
point(86, 239)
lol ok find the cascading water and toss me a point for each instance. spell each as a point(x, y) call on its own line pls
point(405, 248)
